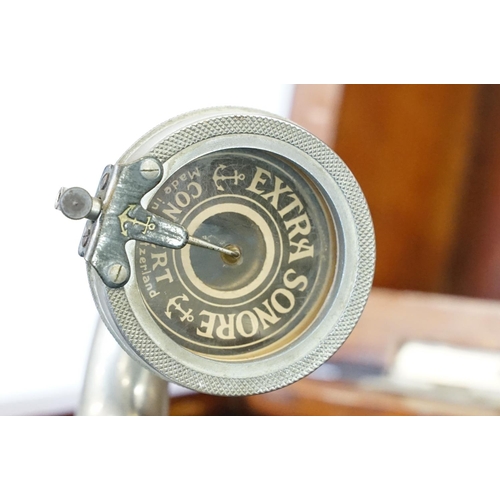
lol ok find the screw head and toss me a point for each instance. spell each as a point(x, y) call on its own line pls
point(117, 273)
point(85, 238)
point(103, 184)
point(150, 169)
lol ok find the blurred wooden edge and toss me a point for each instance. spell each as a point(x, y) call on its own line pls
point(390, 319)
point(393, 317)
point(317, 109)
point(310, 397)
point(198, 404)
point(475, 271)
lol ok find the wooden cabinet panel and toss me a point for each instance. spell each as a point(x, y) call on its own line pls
point(409, 146)
point(475, 270)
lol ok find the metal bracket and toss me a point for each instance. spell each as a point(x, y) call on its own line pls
point(121, 218)
point(115, 216)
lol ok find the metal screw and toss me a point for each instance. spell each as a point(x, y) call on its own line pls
point(117, 273)
point(149, 169)
point(104, 181)
point(85, 238)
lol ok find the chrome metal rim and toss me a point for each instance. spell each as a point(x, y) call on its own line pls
point(176, 142)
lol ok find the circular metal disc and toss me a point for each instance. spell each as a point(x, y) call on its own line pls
point(286, 203)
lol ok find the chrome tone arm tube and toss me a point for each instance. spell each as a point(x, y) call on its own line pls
point(115, 384)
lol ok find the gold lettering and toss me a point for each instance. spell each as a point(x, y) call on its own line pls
point(160, 258)
point(275, 195)
point(300, 225)
point(171, 211)
point(258, 178)
point(280, 307)
point(264, 317)
point(209, 324)
point(182, 199)
point(296, 203)
point(244, 320)
point(197, 189)
point(304, 249)
point(194, 174)
point(300, 281)
point(225, 326)
point(166, 276)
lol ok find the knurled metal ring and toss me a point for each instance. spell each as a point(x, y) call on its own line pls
point(123, 310)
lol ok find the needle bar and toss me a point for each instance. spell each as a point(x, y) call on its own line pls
point(206, 244)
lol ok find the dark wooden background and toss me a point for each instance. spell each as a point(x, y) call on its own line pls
point(428, 160)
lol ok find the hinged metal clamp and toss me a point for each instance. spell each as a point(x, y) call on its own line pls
point(115, 216)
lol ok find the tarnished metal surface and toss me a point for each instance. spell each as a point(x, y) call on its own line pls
point(115, 384)
point(116, 217)
point(125, 310)
point(123, 219)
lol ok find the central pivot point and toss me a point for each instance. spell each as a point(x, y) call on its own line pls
point(234, 258)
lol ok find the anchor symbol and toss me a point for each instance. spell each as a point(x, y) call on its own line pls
point(218, 177)
point(175, 304)
point(124, 218)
